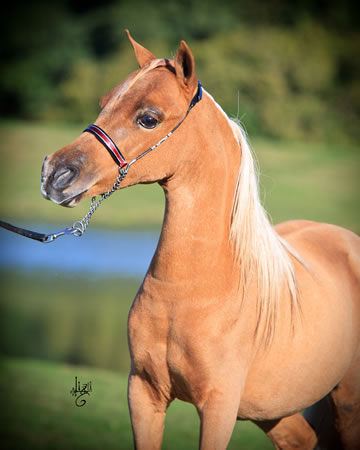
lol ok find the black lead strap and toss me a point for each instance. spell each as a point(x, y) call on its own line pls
point(27, 233)
point(79, 227)
point(41, 237)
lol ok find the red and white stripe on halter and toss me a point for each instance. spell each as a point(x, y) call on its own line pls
point(110, 145)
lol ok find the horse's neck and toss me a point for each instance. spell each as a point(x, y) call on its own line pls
point(194, 243)
point(194, 238)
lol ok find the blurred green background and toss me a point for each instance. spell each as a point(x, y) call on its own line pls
point(290, 71)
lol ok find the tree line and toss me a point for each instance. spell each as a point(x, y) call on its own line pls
point(285, 69)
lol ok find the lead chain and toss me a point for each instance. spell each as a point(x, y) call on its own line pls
point(79, 226)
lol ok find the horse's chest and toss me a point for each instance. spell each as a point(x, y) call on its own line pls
point(167, 356)
point(147, 330)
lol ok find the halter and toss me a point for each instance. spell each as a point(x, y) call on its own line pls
point(78, 228)
point(112, 148)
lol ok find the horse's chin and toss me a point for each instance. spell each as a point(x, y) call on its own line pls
point(69, 201)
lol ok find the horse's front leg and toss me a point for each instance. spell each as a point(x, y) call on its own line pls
point(147, 413)
point(218, 417)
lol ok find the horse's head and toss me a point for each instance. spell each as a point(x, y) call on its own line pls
point(137, 114)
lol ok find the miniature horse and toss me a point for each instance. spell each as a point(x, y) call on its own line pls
point(243, 320)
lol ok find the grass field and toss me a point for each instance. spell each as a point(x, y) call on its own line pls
point(71, 319)
point(38, 412)
point(299, 180)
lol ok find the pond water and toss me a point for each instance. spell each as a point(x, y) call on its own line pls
point(100, 252)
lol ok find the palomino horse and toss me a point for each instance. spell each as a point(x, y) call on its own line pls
point(243, 320)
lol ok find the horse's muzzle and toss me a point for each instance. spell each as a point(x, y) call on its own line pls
point(57, 183)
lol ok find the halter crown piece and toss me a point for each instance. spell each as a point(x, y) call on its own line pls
point(78, 228)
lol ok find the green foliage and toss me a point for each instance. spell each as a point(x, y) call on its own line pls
point(286, 81)
point(286, 70)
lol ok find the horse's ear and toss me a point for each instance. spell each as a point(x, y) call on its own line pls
point(185, 67)
point(143, 55)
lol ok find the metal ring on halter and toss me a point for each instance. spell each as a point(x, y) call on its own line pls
point(78, 228)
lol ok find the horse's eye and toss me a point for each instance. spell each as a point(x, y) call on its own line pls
point(147, 121)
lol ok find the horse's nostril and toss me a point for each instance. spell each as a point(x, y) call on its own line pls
point(64, 177)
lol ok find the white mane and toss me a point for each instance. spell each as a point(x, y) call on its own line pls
point(258, 249)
